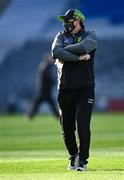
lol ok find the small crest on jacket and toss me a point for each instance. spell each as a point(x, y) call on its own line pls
point(79, 39)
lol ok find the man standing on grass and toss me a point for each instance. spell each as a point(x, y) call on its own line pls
point(74, 49)
point(45, 82)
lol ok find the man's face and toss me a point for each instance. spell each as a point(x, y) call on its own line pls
point(70, 21)
point(69, 25)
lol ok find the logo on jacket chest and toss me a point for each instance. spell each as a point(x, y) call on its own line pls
point(79, 39)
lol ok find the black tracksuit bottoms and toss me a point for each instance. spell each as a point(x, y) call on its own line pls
point(75, 114)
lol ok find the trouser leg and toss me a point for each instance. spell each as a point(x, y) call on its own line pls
point(35, 105)
point(84, 111)
point(51, 101)
point(67, 107)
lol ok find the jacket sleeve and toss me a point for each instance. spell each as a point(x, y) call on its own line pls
point(58, 52)
point(88, 44)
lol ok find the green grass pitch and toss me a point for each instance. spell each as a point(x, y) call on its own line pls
point(35, 150)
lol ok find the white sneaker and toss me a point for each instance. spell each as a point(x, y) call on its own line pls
point(73, 164)
point(81, 167)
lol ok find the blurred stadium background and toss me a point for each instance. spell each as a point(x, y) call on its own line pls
point(27, 28)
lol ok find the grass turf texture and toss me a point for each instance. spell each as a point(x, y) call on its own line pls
point(35, 150)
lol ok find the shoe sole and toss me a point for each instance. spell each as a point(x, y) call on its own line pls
point(72, 168)
point(81, 169)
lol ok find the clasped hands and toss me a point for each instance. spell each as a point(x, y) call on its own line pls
point(84, 57)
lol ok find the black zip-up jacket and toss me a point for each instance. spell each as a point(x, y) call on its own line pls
point(74, 72)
